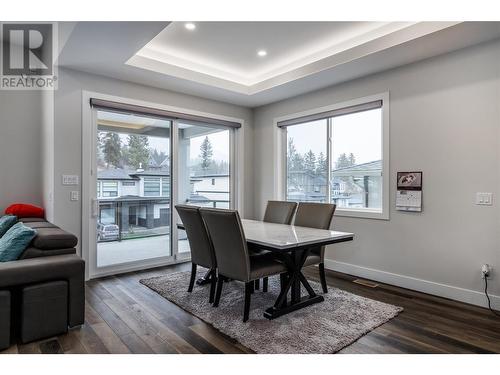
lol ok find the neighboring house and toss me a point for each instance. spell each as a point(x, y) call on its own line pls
point(134, 198)
point(304, 186)
point(356, 186)
point(210, 190)
point(141, 198)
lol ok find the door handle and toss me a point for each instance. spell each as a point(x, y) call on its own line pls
point(95, 207)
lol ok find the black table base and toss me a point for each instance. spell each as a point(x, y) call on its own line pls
point(291, 282)
point(207, 279)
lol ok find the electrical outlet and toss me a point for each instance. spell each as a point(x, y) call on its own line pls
point(484, 199)
point(74, 195)
point(486, 270)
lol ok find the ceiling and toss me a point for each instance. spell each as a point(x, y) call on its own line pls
point(228, 50)
point(219, 60)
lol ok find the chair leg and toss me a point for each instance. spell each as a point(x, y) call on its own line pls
point(252, 286)
point(220, 282)
point(265, 284)
point(257, 284)
point(322, 277)
point(248, 296)
point(193, 277)
point(213, 283)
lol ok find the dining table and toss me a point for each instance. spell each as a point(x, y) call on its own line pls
point(291, 244)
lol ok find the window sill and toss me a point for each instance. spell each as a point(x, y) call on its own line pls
point(362, 214)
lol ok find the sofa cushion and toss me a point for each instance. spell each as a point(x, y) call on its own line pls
point(25, 210)
point(53, 238)
point(15, 241)
point(39, 224)
point(6, 222)
point(32, 219)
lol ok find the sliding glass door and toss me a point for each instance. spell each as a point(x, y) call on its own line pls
point(133, 156)
point(144, 165)
point(203, 170)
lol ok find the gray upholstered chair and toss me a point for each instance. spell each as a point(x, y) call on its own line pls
point(280, 212)
point(202, 252)
point(231, 251)
point(316, 215)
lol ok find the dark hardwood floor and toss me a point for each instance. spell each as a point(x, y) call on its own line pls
point(123, 316)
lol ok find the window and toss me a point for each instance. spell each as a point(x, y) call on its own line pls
point(306, 162)
point(109, 189)
point(128, 183)
point(338, 156)
point(165, 187)
point(151, 186)
point(213, 181)
point(357, 160)
point(98, 189)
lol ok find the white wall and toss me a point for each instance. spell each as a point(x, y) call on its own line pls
point(444, 120)
point(68, 132)
point(20, 148)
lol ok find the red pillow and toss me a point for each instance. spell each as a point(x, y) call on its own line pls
point(25, 210)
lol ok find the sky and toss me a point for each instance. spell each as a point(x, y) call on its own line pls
point(219, 140)
point(345, 136)
point(309, 136)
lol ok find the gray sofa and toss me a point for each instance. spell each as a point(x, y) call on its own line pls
point(42, 293)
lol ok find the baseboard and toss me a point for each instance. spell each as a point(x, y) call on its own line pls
point(442, 290)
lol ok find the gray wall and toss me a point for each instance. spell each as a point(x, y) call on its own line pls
point(444, 120)
point(68, 129)
point(20, 148)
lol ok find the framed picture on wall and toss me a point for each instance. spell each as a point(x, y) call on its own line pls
point(409, 180)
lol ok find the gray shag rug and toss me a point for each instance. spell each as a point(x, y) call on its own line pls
point(322, 328)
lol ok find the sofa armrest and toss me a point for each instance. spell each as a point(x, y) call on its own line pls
point(68, 267)
point(33, 252)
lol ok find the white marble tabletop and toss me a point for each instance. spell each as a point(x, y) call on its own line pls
point(286, 237)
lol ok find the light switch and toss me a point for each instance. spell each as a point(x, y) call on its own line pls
point(70, 179)
point(484, 199)
point(74, 196)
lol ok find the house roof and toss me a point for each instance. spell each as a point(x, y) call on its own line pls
point(150, 173)
point(372, 168)
point(211, 175)
point(198, 198)
point(115, 174)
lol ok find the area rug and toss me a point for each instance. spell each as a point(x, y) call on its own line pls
point(322, 328)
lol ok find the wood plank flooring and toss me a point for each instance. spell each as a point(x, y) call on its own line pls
point(123, 316)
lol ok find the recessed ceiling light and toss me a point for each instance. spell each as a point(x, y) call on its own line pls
point(262, 53)
point(190, 26)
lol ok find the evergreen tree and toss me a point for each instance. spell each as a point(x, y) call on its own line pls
point(158, 157)
point(138, 151)
point(342, 161)
point(297, 162)
point(321, 167)
point(206, 153)
point(291, 155)
point(111, 148)
point(352, 159)
point(310, 162)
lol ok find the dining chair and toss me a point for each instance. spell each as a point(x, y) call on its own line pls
point(231, 251)
point(202, 251)
point(279, 212)
point(316, 215)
